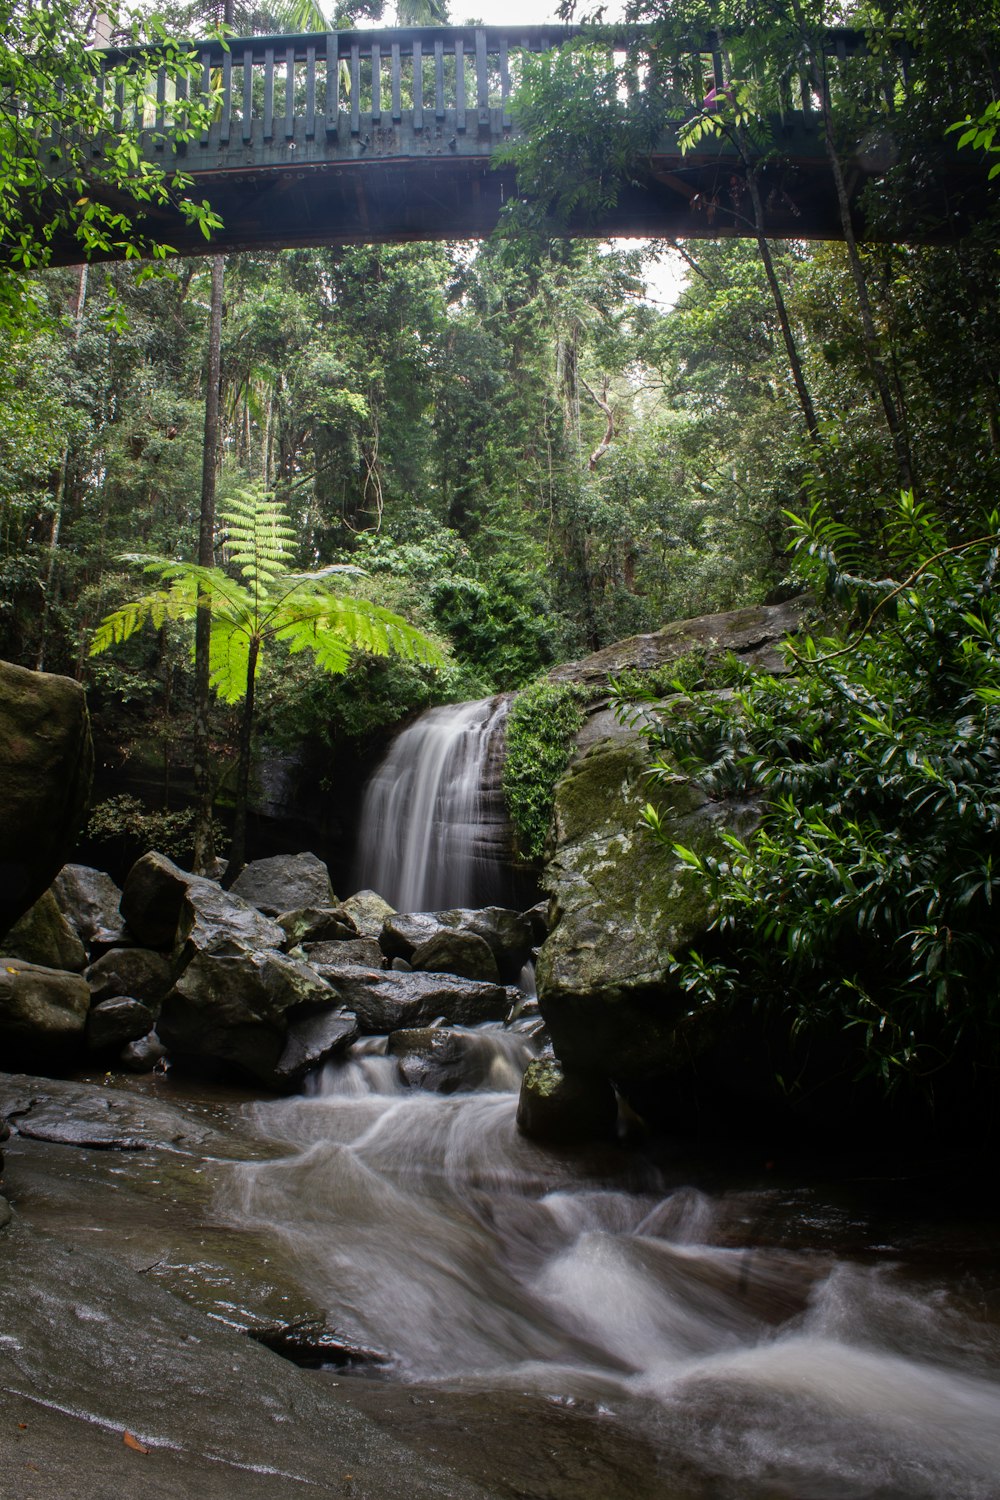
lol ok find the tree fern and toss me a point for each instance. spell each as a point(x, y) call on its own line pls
point(267, 602)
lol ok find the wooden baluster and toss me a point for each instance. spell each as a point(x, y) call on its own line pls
point(227, 97)
point(505, 119)
point(438, 80)
point(247, 95)
point(289, 93)
point(459, 83)
point(355, 89)
point(376, 83)
point(206, 88)
point(397, 112)
point(332, 84)
point(482, 82)
point(161, 106)
point(268, 93)
point(418, 86)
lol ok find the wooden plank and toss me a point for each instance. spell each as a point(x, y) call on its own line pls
point(397, 113)
point(505, 119)
point(332, 82)
point(355, 89)
point(376, 83)
point(418, 86)
point(227, 97)
point(438, 80)
point(247, 95)
point(310, 116)
point(482, 81)
point(459, 83)
point(161, 106)
point(116, 118)
point(268, 93)
point(289, 93)
point(206, 88)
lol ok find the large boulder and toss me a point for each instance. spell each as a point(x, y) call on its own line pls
point(368, 911)
point(151, 899)
point(385, 1001)
point(510, 935)
point(560, 1109)
point(285, 882)
point(754, 634)
point(441, 1059)
point(113, 1022)
point(620, 907)
point(91, 903)
point(141, 973)
point(213, 920)
point(46, 768)
point(232, 1005)
point(43, 936)
point(317, 924)
point(43, 1011)
point(452, 951)
point(312, 1040)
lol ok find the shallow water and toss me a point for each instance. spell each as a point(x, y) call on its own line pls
point(727, 1327)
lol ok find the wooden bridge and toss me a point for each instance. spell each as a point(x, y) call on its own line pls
point(390, 135)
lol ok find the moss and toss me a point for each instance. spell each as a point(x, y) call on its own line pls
point(541, 729)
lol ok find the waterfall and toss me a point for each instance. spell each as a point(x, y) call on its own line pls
point(433, 831)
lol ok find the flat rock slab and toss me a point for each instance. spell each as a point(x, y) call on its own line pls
point(79, 1114)
point(112, 1386)
point(385, 1001)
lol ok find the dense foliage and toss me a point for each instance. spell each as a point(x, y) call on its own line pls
point(867, 896)
point(540, 730)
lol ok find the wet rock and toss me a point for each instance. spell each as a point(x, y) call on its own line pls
point(385, 1001)
point(440, 1059)
point(117, 1020)
point(43, 936)
point(285, 883)
point(317, 924)
point(143, 1054)
point(755, 634)
point(621, 906)
point(46, 767)
point(312, 1040)
point(90, 902)
point(452, 951)
point(537, 918)
point(509, 934)
point(562, 1109)
point(42, 1011)
point(151, 899)
point(211, 920)
point(368, 911)
point(362, 950)
point(5, 1213)
point(141, 973)
point(231, 1005)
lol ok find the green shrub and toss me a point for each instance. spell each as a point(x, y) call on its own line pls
point(866, 898)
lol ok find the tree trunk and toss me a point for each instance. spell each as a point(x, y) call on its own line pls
point(204, 851)
point(238, 848)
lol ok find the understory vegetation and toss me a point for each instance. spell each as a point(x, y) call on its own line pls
point(529, 450)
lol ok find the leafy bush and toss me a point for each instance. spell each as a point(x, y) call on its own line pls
point(540, 732)
point(866, 898)
point(128, 827)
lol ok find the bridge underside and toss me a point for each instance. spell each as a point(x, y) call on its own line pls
point(457, 194)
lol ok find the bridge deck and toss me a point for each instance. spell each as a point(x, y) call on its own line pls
point(390, 135)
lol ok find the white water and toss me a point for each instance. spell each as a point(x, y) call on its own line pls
point(429, 1229)
point(422, 839)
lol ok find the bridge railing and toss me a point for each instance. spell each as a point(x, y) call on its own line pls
point(335, 89)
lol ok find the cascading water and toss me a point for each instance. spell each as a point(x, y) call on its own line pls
point(723, 1331)
point(431, 834)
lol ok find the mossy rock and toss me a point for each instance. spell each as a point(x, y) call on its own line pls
point(621, 906)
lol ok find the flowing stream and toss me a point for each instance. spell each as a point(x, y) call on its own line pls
point(430, 833)
point(730, 1329)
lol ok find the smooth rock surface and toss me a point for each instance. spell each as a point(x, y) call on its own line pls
point(565, 1110)
point(754, 634)
point(46, 769)
point(140, 972)
point(151, 899)
point(368, 911)
point(232, 1006)
point(317, 924)
point(41, 1009)
point(385, 1001)
point(457, 952)
point(90, 902)
point(509, 934)
point(117, 1020)
point(285, 882)
point(43, 936)
point(361, 950)
point(313, 1040)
